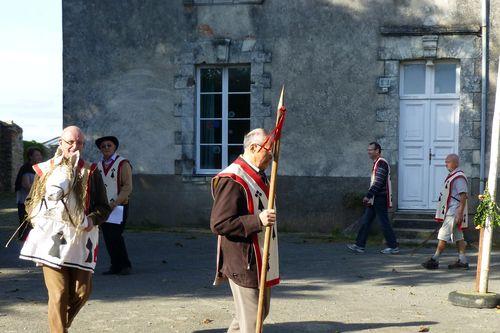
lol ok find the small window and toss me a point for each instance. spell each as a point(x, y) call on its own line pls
point(445, 78)
point(223, 116)
point(414, 79)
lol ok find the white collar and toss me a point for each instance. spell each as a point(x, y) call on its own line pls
point(111, 159)
point(250, 163)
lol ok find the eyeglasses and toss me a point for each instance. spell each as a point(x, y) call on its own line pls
point(71, 142)
point(262, 147)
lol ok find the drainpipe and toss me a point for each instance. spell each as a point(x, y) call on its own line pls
point(485, 13)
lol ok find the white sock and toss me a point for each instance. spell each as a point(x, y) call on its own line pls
point(462, 258)
point(436, 255)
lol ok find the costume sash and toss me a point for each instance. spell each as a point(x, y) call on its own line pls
point(388, 183)
point(445, 198)
point(111, 176)
point(257, 192)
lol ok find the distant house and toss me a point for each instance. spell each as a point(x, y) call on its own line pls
point(181, 82)
point(11, 154)
point(51, 146)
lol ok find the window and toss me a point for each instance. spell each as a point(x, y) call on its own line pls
point(430, 79)
point(223, 115)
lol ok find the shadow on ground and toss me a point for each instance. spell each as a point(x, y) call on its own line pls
point(327, 326)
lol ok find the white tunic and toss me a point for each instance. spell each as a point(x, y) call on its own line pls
point(111, 177)
point(53, 241)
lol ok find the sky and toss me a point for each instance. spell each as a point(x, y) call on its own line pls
point(31, 66)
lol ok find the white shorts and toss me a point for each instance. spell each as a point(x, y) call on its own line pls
point(450, 232)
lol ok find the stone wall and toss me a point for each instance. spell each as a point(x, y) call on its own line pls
point(11, 154)
point(129, 71)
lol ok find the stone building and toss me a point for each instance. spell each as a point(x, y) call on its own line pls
point(11, 154)
point(180, 82)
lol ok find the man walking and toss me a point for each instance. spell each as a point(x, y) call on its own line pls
point(116, 173)
point(452, 212)
point(377, 201)
point(238, 216)
point(66, 201)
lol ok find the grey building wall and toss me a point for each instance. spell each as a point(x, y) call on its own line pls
point(129, 70)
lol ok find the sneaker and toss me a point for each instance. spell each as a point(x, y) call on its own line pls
point(390, 250)
point(356, 249)
point(431, 264)
point(459, 265)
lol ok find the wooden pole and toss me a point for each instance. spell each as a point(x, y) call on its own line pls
point(492, 186)
point(267, 237)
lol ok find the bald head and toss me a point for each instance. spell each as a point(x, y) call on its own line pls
point(71, 140)
point(452, 162)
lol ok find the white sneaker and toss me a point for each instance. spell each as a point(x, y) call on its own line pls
point(356, 249)
point(390, 250)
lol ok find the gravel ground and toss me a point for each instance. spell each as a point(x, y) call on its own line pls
point(324, 289)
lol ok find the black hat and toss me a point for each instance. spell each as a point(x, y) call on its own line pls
point(113, 139)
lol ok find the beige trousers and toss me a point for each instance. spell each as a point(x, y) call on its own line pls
point(68, 289)
point(246, 302)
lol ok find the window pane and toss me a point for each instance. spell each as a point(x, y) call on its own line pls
point(210, 157)
point(211, 79)
point(445, 78)
point(211, 106)
point(414, 79)
point(233, 152)
point(210, 131)
point(239, 106)
point(237, 130)
point(239, 79)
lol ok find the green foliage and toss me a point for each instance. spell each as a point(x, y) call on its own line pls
point(487, 208)
point(33, 143)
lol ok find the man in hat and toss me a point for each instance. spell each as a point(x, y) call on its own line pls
point(66, 201)
point(116, 173)
point(238, 217)
point(452, 212)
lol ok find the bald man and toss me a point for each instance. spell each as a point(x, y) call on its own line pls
point(452, 213)
point(65, 203)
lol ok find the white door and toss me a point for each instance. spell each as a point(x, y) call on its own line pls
point(428, 131)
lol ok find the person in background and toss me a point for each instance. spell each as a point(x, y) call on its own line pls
point(116, 173)
point(24, 181)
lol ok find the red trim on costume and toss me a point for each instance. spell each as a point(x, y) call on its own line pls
point(106, 169)
point(118, 174)
point(374, 171)
point(240, 181)
point(87, 199)
point(38, 170)
point(253, 174)
point(96, 251)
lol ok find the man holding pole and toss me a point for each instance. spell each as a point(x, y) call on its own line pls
point(241, 193)
point(452, 213)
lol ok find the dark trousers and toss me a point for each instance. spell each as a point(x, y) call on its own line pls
point(25, 230)
point(379, 211)
point(115, 244)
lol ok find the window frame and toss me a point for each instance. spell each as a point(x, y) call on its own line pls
point(224, 116)
point(430, 72)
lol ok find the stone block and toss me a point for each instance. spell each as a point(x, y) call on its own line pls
point(381, 114)
point(178, 137)
point(391, 68)
point(476, 156)
point(261, 56)
point(429, 45)
point(181, 82)
point(248, 44)
point(471, 84)
point(222, 2)
point(467, 67)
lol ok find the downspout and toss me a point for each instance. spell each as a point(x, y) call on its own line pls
point(485, 13)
